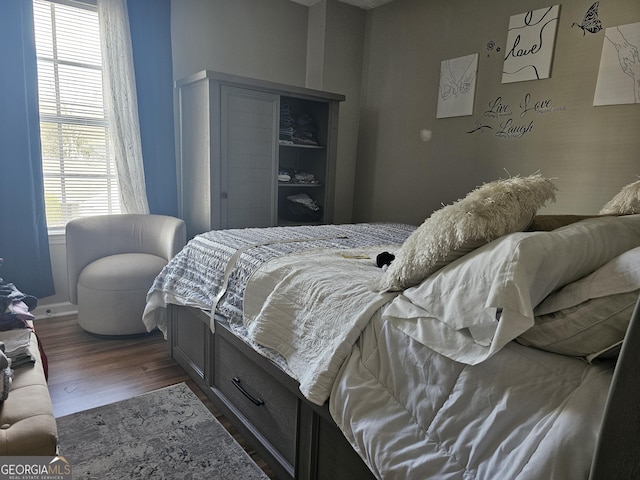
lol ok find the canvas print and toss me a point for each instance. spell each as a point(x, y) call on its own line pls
point(530, 45)
point(457, 86)
point(619, 73)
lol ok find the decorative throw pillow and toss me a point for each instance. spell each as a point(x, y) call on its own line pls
point(626, 202)
point(488, 212)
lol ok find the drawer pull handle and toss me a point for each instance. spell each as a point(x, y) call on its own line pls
point(256, 401)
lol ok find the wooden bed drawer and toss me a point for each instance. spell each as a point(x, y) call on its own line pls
point(269, 407)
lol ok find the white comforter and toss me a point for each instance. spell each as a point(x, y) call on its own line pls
point(412, 413)
point(311, 307)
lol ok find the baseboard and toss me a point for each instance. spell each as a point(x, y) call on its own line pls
point(55, 310)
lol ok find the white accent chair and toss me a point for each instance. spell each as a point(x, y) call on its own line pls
point(112, 261)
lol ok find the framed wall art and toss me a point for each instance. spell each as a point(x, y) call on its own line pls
point(457, 86)
point(619, 73)
point(530, 45)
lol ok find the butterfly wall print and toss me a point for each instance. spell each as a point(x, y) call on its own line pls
point(591, 23)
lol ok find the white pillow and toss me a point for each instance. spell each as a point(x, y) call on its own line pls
point(590, 315)
point(488, 212)
point(584, 330)
point(620, 275)
point(454, 311)
point(626, 201)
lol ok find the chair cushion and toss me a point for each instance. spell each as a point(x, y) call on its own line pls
point(112, 293)
point(126, 271)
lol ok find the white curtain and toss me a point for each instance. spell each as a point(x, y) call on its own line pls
point(122, 103)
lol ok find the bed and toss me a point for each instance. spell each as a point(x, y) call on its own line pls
point(483, 350)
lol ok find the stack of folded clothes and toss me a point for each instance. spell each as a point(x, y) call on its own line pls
point(302, 177)
point(291, 176)
point(15, 324)
point(6, 374)
point(286, 123)
point(299, 130)
point(17, 346)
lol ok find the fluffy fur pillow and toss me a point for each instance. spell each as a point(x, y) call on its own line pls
point(626, 202)
point(488, 212)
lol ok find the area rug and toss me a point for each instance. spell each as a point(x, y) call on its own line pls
point(164, 434)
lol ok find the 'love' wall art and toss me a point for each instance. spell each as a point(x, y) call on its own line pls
point(530, 43)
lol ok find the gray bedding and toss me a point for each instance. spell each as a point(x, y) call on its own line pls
point(195, 276)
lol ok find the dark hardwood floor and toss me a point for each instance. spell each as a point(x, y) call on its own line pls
point(87, 371)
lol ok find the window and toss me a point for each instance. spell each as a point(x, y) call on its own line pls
point(78, 168)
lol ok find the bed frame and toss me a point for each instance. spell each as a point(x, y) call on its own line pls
point(295, 437)
point(300, 440)
point(618, 450)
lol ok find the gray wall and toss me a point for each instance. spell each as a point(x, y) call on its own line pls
point(334, 63)
point(265, 39)
point(387, 62)
point(281, 41)
point(592, 151)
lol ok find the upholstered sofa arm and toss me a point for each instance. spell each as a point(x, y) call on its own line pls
point(27, 423)
point(91, 238)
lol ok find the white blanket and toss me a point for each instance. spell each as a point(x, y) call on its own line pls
point(311, 307)
point(523, 414)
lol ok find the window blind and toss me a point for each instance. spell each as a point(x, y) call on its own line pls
point(78, 167)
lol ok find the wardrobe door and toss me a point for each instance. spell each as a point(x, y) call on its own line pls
point(248, 143)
